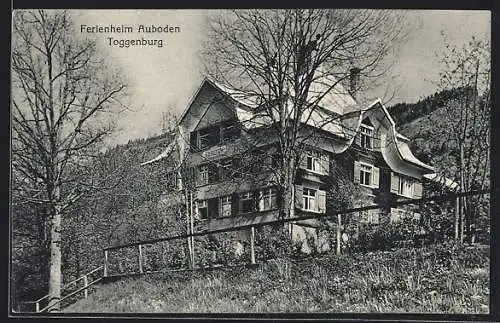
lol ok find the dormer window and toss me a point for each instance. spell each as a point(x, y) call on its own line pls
point(366, 136)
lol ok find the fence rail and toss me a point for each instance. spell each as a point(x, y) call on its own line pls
point(140, 252)
point(308, 216)
point(86, 285)
point(136, 265)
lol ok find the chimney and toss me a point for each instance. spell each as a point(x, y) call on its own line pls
point(354, 81)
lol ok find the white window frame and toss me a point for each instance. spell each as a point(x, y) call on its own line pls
point(315, 158)
point(268, 194)
point(366, 136)
point(225, 206)
point(370, 172)
point(310, 200)
point(203, 175)
point(406, 186)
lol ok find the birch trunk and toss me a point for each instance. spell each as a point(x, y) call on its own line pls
point(55, 275)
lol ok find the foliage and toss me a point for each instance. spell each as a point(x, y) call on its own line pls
point(131, 209)
point(274, 242)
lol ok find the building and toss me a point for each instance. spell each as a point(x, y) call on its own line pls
point(224, 151)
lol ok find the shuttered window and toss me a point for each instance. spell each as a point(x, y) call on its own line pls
point(309, 198)
point(313, 161)
point(312, 199)
point(405, 186)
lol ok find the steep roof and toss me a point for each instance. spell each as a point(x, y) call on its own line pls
point(338, 113)
point(337, 99)
point(400, 141)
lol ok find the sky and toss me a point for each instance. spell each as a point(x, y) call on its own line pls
point(163, 79)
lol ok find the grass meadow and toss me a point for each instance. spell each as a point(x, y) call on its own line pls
point(436, 279)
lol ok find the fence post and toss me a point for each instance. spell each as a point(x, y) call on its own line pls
point(339, 231)
point(37, 307)
point(191, 227)
point(105, 274)
point(252, 245)
point(85, 284)
point(140, 259)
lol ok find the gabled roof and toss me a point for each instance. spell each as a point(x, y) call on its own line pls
point(338, 113)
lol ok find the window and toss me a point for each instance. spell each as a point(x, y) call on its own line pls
point(309, 199)
point(208, 137)
point(313, 161)
point(397, 215)
point(202, 207)
point(366, 137)
point(225, 206)
point(246, 202)
point(268, 199)
point(203, 175)
point(365, 174)
point(207, 174)
point(405, 186)
point(370, 216)
point(226, 169)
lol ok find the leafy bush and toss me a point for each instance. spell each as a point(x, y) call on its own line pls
point(273, 242)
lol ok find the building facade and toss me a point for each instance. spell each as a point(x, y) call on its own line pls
point(225, 157)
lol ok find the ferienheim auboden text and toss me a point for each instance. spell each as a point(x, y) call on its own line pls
point(133, 41)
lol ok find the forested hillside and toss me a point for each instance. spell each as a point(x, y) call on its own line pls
point(427, 123)
point(442, 128)
point(125, 209)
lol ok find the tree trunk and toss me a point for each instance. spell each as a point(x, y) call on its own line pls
point(288, 206)
point(462, 189)
point(55, 276)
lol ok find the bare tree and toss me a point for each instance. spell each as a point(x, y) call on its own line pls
point(288, 61)
point(467, 118)
point(61, 99)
